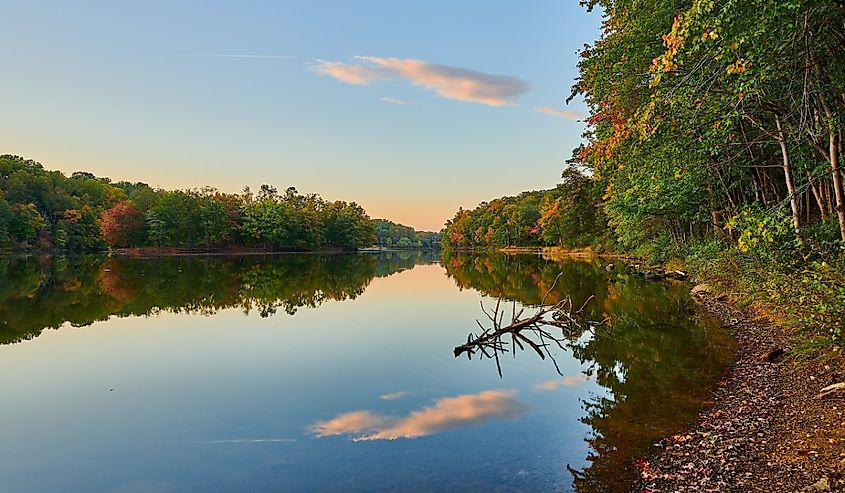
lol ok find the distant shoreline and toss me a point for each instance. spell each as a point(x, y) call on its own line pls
point(144, 252)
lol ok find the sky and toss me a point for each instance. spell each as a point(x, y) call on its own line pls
point(410, 108)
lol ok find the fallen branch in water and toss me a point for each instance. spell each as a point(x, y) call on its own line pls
point(532, 331)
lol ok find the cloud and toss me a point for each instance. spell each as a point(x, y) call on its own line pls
point(568, 381)
point(400, 102)
point(569, 115)
point(252, 440)
point(446, 414)
point(215, 55)
point(395, 395)
point(349, 72)
point(456, 83)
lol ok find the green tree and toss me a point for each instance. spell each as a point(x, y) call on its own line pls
point(26, 223)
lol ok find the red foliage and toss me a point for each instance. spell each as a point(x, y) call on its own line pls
point(121, 224)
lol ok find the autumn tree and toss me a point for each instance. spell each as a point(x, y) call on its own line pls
point(122, 225)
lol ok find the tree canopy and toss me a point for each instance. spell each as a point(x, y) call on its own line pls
point(48, 210)
point(392, 235)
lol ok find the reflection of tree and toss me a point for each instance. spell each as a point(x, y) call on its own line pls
point(534, 331)
point(527, 279)
point(45, 292)
point(656, 365)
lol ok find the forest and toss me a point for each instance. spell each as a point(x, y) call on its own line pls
point(565, 216)
point(399, 236)
point(714, 136)
point(41, 209)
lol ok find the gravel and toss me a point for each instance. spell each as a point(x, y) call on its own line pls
point(767, 431)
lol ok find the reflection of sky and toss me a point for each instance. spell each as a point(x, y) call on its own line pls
point(446, 414)
point(230, 402)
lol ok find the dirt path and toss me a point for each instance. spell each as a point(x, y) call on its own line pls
point(767, 431)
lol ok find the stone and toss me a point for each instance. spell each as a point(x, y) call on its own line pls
point(701, 288)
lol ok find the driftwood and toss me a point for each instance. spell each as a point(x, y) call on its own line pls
point(830, 390)
point(532, 331)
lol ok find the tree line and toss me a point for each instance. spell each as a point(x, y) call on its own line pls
point(567, 216)
point(49, 210)
point(392, 235)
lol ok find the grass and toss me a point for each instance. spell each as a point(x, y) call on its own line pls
point(803, 294)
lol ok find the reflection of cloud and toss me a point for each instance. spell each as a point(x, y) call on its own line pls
point(253, 440)
point(568, 381)
point(400, 102)
point(448, 82)
point(446, 414)
point(395, 395)
point(354, 422)
point(569, 115)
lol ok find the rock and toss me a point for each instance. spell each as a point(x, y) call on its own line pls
point(609, 267)
point(775, 355)
point(821, 485)
point(701, 288)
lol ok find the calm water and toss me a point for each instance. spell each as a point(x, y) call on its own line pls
point(333, 373)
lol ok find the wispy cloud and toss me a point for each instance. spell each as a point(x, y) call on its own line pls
point(221, 55)
point(252, 440)
point(568, 381)
point(456, 83)
point(393, 396)
point(446, 414)
point(569, 115)
point(349, 72)
point(400, 102)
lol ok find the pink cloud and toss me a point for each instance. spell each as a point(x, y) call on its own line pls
point(447, 82)
point(349, 73)
point(569, 115)
point(446, 414)
point(567, 381)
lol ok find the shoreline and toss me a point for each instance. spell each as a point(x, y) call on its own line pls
point(766, 430)
point(560, 253)
point(148, 252)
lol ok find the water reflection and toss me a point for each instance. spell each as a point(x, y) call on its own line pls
point(657, 364)
point(446, 414)
point(46, 292)
point(566, 381)
point(362, 396)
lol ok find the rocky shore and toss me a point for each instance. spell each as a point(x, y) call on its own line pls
point(768, 430)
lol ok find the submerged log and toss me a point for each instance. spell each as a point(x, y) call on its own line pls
point(530, 331)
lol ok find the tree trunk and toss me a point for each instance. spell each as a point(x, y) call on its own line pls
point(837, 183)
point(819, 201)
point(824, 190)
point(762, 186)
point(787, 173)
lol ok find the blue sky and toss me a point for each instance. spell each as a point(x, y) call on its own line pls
point(412, 109)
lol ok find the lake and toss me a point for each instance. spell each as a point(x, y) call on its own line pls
point(336, 373)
